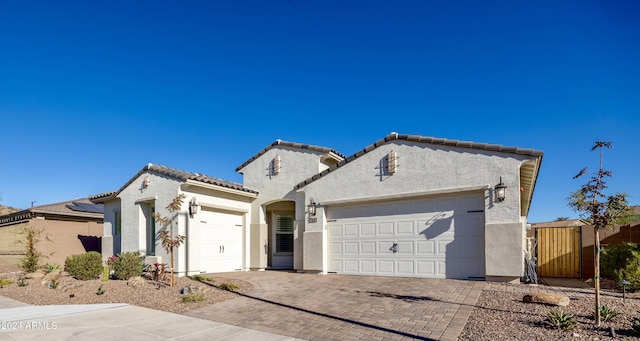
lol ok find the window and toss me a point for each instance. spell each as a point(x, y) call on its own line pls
point(284, 233)
point(117, 228)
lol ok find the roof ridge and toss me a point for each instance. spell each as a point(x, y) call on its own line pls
point(279, 142)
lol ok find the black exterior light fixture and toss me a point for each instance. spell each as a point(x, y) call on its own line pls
point(624, 284)
point(311, 208)
point(193, 207)
point(501, 191)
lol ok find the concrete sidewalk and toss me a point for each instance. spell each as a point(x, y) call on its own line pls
point(19, 321)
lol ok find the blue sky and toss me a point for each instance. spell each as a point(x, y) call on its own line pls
point(90, 92)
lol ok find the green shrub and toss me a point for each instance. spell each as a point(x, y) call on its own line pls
point(100, 291)
point(203, 278)
point(4, 282)
point(84, 266)
point(620, 262)
point(127, 265)
point(635, 325)
point(52, 284)
point(559, 319)
point(189, 298)
point(607, 314)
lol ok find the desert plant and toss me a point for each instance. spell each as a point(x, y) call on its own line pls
point(84, 266)
point(599, 210)
point(22, 282)
point(127, 265)
point(635, 324)
point(53, 284)
point(100, 291)
point(229, 286)
point(559, 319)
point(169, 242)
point(607, 314)
point(4, 282)
point(203, 278)
point(190, 298)
point(30, 237)
point(49, 268)
point(106, 273)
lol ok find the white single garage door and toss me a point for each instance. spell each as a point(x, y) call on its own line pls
point(436, 237)
point(220, 241)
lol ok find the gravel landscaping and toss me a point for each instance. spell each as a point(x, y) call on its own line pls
point(500, 314)
point(143, 293)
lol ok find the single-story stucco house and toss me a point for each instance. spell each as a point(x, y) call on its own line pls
point(403, 206)
point(71, 227)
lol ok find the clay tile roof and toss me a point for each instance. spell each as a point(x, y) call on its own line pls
point(174, 174)
point(292, 145)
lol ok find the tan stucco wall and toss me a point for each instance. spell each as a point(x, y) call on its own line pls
point(63, 236)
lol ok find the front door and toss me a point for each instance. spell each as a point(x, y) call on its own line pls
point(282, 241)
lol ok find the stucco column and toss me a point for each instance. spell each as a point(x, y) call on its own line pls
point(315, 243)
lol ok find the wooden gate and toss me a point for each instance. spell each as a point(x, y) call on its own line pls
point(559, 252)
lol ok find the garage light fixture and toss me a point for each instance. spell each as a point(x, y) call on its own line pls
point(193, 207)
point(311, 208)
point(501, 191)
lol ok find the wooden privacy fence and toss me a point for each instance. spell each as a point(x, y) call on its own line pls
point(559, 252)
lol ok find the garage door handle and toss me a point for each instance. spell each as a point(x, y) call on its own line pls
point(394, 248)
point(222, 248)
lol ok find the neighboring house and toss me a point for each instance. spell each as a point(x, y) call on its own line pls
point(72, 227)
point(565, 247)
point(403, 206)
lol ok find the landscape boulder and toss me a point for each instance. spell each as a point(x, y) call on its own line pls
point(547, 298)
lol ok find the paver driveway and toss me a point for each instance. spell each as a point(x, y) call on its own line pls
point(341, 307)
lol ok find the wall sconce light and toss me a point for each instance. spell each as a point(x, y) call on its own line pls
point(146, 182)
point(193, 207)
point(501, 191)
point(311, 208)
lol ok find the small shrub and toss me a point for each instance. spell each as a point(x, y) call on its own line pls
point(190, 298)
point(127, 265)
point(559, 319)
point(100, 291)
point(622, 261)
point(53, 284)
point(635, 325)
point(203, 279)
point(4, 282)
point(22, 282)
point(49, 268)
point(229, 286)
point(84, 266)
point(607, 314)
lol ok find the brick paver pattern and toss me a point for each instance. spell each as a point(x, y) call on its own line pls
point(341, 307)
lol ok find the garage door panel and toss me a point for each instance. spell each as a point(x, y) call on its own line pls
point(386, 229)
point(220, 241)
point(434, 237)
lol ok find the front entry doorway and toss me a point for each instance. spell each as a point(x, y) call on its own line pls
point(281, 221)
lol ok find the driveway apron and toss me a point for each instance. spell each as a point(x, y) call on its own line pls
point(341, 307)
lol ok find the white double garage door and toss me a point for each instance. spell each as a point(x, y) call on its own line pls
point(435, 237)
point(220, 241)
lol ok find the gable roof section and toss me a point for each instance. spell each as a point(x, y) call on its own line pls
point(427, 140)
point(79, 209)
point(176, 174)
point(292, 145)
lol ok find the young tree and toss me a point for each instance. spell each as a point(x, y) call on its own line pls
point(169, 242)
point(30, 238)
point(599, 210)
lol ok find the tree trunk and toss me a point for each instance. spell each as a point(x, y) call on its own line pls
point(171, 261)
point(596, 271)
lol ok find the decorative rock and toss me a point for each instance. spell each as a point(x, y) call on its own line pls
point(51, 276)
point(546, 298)
point(136, 282)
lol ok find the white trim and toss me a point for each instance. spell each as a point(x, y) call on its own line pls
point(222, 208)
point(219, 188)
point(406, 195)
point(147, 199)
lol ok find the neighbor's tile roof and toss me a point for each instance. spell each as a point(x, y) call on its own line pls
point(177, 175)
point(74, 209)
point(427, 140)
point(292, 145)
